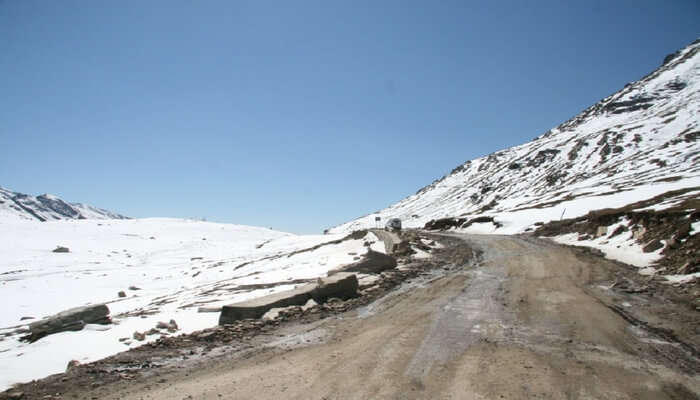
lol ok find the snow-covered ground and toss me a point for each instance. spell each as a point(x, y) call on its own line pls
point(177, 265)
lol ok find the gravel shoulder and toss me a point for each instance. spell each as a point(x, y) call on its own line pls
point(487, 317)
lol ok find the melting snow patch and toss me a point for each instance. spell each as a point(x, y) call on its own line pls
point(680, 279)
point(620, 248)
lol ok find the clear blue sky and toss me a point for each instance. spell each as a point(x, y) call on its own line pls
point(298, 115)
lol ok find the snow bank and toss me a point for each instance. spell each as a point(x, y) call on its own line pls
point(176, 266)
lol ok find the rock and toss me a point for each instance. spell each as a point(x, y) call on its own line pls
point(25, 318)
point(139, 336)
point(444, 223)
point(14, 395)
point(653, 246)
point(277, 312)
point(72, 365)
point(73, 319)
point(256, 308)
point(684, 229)
point(341, 285)
point(206, 335)
point(403, 249)
point(134, 288)
point(209, 309)
point(309, 304)
point(619, 230)
point(673, 243)
point(61, 249)
point(638, 232)
point(121, 294)
point(372, 262)
point(601, 231)
point(170, 326)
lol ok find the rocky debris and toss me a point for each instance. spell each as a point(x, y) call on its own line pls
point(668, 229)
point(452, 222)
point(444, 224)
point(482, 220)
point(652, 246)
point(403, 249)
point(170, 326)
point(309, 305)
point(13, 395)
point(73, 319)
point(61, 249)
point(121, 293)
point(542, 157)
point(372, 262)
point(140, 336)
point(276, 313)
point(635, 104)
point(342, 285)
point(601, 231)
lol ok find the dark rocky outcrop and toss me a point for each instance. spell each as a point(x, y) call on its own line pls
point(542, 157)
point(73, 319)
point(447, 223)
point(444, 224)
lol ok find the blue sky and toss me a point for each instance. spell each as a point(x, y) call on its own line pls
point(298, 115)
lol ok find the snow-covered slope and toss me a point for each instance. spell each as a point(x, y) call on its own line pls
point(19, 206)
point(635, 144)
point(167, 269)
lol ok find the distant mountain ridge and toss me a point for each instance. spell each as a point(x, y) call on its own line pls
point(632, 145)
point(46, 207)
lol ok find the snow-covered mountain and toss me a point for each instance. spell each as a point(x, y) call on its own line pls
point(634, 144)
point(46, 207)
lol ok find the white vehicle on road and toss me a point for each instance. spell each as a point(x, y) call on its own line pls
point(393, 224)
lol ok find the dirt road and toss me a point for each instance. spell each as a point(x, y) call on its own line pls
point(527, 319)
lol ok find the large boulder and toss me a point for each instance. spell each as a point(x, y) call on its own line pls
point(342, 285)
point(73, 319)
point(373, 262)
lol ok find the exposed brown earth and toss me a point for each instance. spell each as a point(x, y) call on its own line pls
point(672, 225)
point(523, 319)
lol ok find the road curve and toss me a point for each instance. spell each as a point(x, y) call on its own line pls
point(529, 320)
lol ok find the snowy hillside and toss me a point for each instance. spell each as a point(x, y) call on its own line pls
point(635, 144)
point(166, 268)
point(19, 206)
